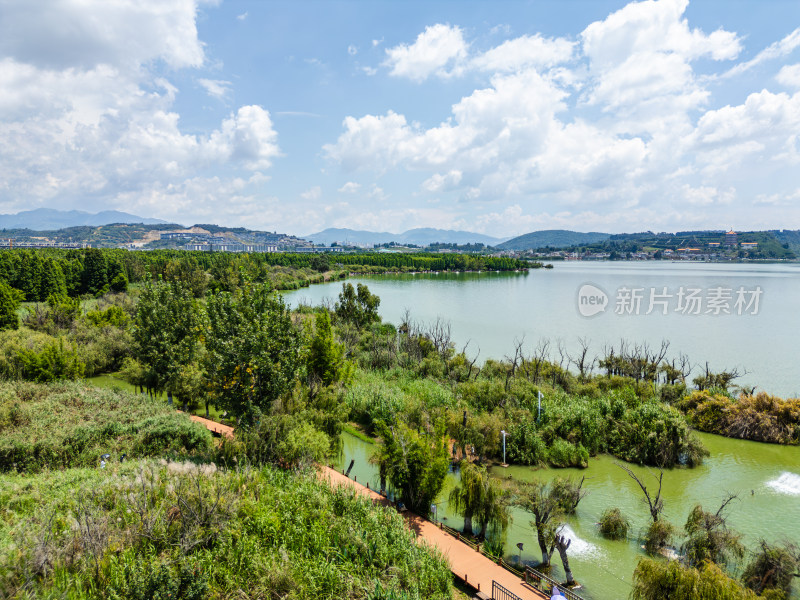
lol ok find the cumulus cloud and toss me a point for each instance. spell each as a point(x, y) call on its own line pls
point(87, 33)
point(437, 50)
point(528, 50)
point(85, 113)
point(350, 187)
point(216, 88)
point(789, 75)
point(613, 128)
point(314, 193)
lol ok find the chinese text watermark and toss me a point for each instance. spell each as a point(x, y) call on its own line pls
point(684, 300)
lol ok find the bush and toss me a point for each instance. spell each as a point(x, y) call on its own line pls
point(613, 525)
point(658, 536)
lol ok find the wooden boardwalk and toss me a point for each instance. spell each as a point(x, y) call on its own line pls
point(465, 563)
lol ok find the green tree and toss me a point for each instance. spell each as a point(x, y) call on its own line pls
point(9, 303)
point(773, 567)
point(253, 350)
point(325, 356)
point(94, 278)
point(165, 331)
point(358, 307)
point(538, 499)
point(478, 496)
point(415, 464)
point(709, 538)
point(658, 580)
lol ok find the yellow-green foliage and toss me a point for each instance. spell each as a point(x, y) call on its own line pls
point(70, 424)
point(762, 417)
point(659, 580)
point(150, 529)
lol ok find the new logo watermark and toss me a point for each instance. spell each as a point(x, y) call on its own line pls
point(684, 300)
point(592, 300)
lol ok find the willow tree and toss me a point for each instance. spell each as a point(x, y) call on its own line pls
point(479, 497)
point(415, 463)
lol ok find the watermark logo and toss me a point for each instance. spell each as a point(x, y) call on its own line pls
point(591, 300)
point(683, 300)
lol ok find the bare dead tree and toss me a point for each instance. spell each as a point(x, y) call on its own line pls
point(515, 362)
point(440, 334)
point(656, 503)
point(581, 359)
point(540, 355)
point(562, 544)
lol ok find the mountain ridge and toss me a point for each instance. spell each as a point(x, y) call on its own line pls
point(421, 236)
point(51, 219)
point(556, 238)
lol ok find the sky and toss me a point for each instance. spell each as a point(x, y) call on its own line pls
point(499, 117)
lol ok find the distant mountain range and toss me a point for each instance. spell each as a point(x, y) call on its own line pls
point(50, 219)
point(420, 237)
point(555, 238)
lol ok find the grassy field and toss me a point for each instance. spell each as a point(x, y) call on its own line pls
point(71, 424)
point(152, 529)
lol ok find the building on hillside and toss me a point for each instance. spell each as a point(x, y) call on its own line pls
point(749, 245)
point(731, 239)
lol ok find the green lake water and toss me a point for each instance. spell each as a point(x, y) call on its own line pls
point(767, 478)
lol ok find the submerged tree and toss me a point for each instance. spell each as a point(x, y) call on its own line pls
point(415, 464)
point(773, 567)
point(709, 538)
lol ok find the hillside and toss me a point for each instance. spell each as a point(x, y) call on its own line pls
point(48, 219)
point(419, 237)
point(554, 238)
point(768, 246)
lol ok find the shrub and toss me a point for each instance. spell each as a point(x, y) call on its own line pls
point(658, 536)
point(613, 525)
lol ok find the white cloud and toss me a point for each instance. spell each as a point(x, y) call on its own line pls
point(778, 49)
point(242, 16)
point(352, 50)
point(85, 114)
point(525, 51)
point(350, 187)
point(87, 33)
point(312, 194)
point(789, 75)
point(216, 88)
point(438, 50)
point(439, 182)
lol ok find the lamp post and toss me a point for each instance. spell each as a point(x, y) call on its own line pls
point(504, 448)
point(539, 417)
point(519, 557)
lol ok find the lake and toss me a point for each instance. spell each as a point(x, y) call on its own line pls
point(489, 311)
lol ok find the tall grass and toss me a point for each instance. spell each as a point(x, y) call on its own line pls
point(69, 424)
point(147, 529)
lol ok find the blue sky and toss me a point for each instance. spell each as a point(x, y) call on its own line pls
point(495, 117)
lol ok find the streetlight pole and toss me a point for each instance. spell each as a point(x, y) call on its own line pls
point(539, 417)
point(504, 447)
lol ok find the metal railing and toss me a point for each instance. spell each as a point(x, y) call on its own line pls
point(501, 593)
point(543, 583)
point(480, 549)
